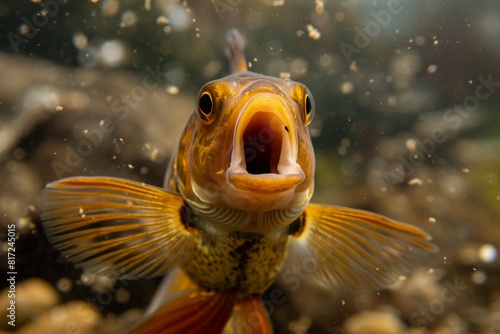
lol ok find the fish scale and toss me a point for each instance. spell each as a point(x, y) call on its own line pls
point(246, 262)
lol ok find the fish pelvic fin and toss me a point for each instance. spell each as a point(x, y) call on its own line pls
point(191, 312)
point(249, 317)
point(355, 249)
point(235, 53)
point(115, 227)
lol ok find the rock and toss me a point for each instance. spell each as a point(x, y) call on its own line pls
point(33, 297)
point(73, 317)
point(374, 322)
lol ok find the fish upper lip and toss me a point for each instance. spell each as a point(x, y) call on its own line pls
point(264, 147)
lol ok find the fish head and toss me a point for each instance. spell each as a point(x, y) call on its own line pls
point(249, 144)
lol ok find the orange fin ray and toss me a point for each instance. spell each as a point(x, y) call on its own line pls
point(249, 316)
point(115, 227)
point(348, 248)
point(191, 312)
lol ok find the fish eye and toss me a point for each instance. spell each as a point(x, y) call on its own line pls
point(308, 105)
point(308, 112)
point(205, 105)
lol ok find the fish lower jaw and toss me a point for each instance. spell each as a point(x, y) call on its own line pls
point(267, 183)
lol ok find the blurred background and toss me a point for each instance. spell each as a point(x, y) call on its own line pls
point(407, 125)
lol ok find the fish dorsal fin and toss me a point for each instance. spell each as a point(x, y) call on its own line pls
point(234, 52)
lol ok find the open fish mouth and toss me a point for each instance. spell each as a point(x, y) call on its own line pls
point(264, 150)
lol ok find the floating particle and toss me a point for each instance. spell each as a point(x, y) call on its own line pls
point(320, 6)
point(346, 87)
point(81, 211)
point(147, 4)
point(411, 144)
point(110, 7)
point(301, 325)
point(162, 20)
point(353, 66)
point(179, 16)
point(80, 41)
point(432, 69)
point(339, 16)
point(285, 75)
point(172, 90)
point(128, 19)
point(154, 154)
point(420, 40)
point(130, 166)
point(123, 296)
point(87, 279)
point(112, 53)
point(144, 170)
point(431, 220)
point(487, 253)
point(94, 1)
point(212, 68)
point(313, 32)
point(64, 285)
point(24, 29)
point(59, 108)
point(278, 3)
point(465, 170)
point(345, 142)
point(479, 277)
point(392, 101)
point(36, 1)
point(415, 182)
point(326, 60)
point(298, 67)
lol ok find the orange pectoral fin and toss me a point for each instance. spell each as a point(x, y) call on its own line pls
point(191, 312)
point(353, 249)
point(115, 227)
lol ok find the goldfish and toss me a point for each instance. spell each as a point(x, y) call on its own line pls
point(234, 206)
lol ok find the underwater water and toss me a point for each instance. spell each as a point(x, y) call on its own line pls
point(407, 125)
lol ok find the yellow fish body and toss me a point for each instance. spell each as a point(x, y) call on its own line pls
point(235, 204)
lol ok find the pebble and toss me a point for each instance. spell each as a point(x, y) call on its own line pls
point(374, 322)
point(33, 297)
point(73, 317)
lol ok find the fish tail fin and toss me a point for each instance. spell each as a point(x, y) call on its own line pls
point(235, 53)
point(191, 312)
point(249, 317)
